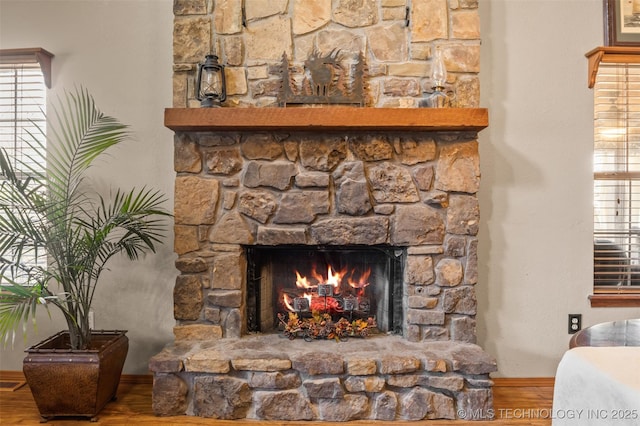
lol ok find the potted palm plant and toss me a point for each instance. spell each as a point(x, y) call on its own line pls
point(55, 214)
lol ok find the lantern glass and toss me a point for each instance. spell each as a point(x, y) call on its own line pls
point(210, 83)
point(438, 70)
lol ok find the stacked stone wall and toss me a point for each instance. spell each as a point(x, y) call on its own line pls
point(397, 38)
point(416, 191)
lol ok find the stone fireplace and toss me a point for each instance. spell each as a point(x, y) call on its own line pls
point(385, 197)
point(325, 180)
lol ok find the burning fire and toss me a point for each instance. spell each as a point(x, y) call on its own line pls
point(361, 283)
point(325, 301)
point(333, 278)
point(302, 282)
point(288, 301)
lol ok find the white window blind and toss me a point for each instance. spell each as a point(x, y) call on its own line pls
point(22, 108)
point(617, 178)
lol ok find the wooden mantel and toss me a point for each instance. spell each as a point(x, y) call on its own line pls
point(326, 118)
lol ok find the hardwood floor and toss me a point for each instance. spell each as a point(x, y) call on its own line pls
point(520, 402)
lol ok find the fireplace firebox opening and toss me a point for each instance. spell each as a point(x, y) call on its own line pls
point(351, 282)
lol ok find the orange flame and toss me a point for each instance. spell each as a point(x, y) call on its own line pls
point(362, 282)
point(334, 278)
point(287, 302)
point(302, 282)
point(318, 277)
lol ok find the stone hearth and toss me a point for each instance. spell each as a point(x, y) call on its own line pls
point(330, 180)
point(270, 377)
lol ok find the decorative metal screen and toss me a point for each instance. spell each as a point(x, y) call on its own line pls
point(350, 282)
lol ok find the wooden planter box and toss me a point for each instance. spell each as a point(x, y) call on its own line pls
point(67, 382)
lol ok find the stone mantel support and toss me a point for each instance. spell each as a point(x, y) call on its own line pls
point(326, 119)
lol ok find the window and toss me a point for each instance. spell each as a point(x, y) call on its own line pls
point(616, 184)
point(24, 76)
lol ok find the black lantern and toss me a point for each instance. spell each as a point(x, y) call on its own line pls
point(211, 88)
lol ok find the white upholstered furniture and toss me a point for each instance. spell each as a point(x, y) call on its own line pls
point(598, 386)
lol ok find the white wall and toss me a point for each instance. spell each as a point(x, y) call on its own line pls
point(536, 156)
point(535, 239)
point(121, 52)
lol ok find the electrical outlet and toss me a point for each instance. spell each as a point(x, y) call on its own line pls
point(575, 323)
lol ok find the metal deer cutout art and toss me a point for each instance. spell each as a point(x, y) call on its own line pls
point(335, 78)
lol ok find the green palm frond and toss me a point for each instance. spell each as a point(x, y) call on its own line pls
point(17, 305)
point(80, 134)
point(51, 212)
